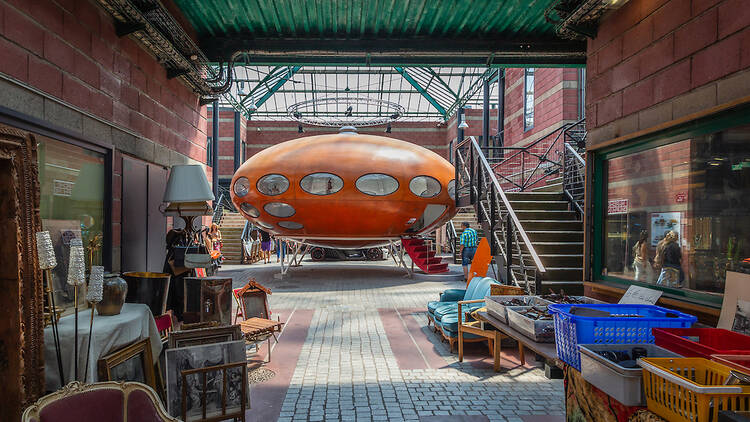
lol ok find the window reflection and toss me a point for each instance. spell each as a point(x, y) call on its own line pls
point(377, 184)
point(273, 184)
point(678, 215)
point(321, 183)
point(72, 206)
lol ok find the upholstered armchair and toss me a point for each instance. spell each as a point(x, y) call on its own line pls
point(101, 402)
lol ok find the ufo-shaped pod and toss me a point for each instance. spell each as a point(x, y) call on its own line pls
point(346, 190)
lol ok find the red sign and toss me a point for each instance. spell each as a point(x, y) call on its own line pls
point(617, 206)
point(680, 197)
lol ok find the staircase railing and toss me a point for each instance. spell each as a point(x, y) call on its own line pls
point(522, 168)
point(574, 177)
point(478, 185)
point(451, 235)
point(224, 202)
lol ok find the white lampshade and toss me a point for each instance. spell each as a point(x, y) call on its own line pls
point(187, 183)
point(463, 125)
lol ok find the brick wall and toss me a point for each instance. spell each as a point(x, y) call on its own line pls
point(555, 103)
point(62, 63)
point(656, 61)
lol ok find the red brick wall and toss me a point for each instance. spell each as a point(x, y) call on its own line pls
point(69, 49)
point(558, 90)
point(655, 61)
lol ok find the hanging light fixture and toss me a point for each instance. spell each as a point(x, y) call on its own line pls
point(388, 128)
point(463, 125)
point(299, 129)
point(252, 106)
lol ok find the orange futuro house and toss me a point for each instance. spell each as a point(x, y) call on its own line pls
point(346, 190)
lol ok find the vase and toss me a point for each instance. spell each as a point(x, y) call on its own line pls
point(148, 288)
point(115, 290)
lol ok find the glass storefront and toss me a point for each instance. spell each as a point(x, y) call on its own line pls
point(678, 215)
point(72, 206)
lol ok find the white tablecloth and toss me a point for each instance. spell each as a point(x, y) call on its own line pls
point(135, 322)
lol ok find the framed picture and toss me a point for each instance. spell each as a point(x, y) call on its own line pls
point(203, 356)
point(131, 363)
point(200, 336)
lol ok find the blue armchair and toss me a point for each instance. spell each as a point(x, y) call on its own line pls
point(478, 288)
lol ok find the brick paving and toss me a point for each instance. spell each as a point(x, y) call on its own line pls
point(347, 371)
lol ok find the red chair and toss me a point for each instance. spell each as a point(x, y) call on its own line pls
point(102, 402)
point(165, 324)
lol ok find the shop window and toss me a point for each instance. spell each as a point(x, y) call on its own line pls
point(424, 186)
point(72, 206)
point(528, 99)
point(677, 216)
point(321, 183)
point(377, 184)
point(273, 184)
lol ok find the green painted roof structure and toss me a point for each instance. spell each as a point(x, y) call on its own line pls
point(381, 32)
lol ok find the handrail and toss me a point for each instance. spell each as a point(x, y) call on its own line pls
point(575, 153)
point(490, 171)
point(450, 231)
point(520, 150)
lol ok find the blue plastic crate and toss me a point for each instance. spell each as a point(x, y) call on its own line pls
point(572, 330)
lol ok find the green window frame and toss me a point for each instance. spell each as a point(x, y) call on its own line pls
point(698, 127)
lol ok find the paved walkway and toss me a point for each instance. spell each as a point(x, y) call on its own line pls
point(347, 370)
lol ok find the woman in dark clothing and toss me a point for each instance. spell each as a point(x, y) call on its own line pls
point(265, 246)
point(671, 261)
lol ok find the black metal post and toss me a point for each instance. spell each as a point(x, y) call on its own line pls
point(472, 176)
point(480, 182)
point(493, 211)
point(215, 149)
point(237, 140)
point(508, 248)
point(501, 110)
point(486, 115)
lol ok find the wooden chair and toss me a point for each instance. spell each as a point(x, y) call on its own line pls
point(234, 412)
point(165, 325)
point(238, 302)
point(477, 328)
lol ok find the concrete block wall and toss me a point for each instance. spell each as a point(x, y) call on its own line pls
point(654, 61)
point(62, 64)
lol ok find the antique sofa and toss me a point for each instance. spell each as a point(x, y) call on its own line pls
point(102, 402)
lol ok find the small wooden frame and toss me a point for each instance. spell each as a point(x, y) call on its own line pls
point(253, 299)
point(194, 337)
point(203, 373)
point(125, 365)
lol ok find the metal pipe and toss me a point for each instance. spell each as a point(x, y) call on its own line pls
point(237, 141)
point(501, 111)
point(215, 149)
point(486, 113)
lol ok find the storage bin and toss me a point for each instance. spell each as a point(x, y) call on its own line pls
point(621, 383)
point(503, 289)
point(690, 389)
point(703, 342)
point(572, 330)
point(739, 362)
point(541, 331)
point(497, 309)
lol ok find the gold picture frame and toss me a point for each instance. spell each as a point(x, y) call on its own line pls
point(200, 336)
point(130, 363)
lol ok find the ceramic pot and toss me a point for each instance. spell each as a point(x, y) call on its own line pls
point(115, 290)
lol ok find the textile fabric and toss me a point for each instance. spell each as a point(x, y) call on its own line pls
point(135, 322)
point(469, 238)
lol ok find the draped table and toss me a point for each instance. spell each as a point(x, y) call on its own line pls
point(135, 322)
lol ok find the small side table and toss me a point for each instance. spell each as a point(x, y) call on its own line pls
point(257, 330)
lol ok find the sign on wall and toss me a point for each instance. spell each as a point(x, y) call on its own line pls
point(663, 222)
point(617, 206)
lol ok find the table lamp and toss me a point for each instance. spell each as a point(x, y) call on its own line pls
point(48, 261)
point(76, 277)
point(94, 295)
point(187, 193)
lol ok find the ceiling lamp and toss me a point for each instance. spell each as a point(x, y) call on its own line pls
point(463, 125)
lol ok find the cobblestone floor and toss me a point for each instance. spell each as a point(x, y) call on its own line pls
point(347, 370)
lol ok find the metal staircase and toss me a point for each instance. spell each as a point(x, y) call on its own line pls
point(232, 226)
point(529, 203)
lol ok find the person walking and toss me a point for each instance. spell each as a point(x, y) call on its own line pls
point(641, 259)
point(468, 242)
point(669, 257)
point(280, 247)
point(265, 246)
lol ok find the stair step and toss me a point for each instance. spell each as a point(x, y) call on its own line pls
point(554, 180)
point(565, 215)
point(535, 196)
point(555, 187)
point(539, 205)
point(551, 225)
point(554, 236)
point(563, 248)
point(555, 260)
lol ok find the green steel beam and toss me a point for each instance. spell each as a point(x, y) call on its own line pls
point(470, 91)
point(291, 70)
point(422, 91)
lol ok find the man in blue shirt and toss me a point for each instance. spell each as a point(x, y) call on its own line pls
point(468, 244)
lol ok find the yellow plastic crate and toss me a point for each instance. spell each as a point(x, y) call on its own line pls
point(690, 389)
